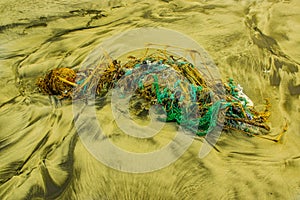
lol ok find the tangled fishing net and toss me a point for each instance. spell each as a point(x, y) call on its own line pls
point(165, 80)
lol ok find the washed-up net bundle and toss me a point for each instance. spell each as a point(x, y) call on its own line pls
point(173, 83)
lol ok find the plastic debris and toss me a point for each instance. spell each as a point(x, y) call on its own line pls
point(171, 82)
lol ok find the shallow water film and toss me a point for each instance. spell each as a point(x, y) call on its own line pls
point(45, 153)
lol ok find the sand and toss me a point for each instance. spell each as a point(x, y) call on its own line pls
point(42, 157)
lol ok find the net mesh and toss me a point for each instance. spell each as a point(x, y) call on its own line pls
point(173, 83)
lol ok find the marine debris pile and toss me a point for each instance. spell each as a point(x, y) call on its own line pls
point(169, 81)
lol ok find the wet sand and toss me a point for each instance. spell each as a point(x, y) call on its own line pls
point(254, 42)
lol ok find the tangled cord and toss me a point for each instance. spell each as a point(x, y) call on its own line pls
point(173, 83)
